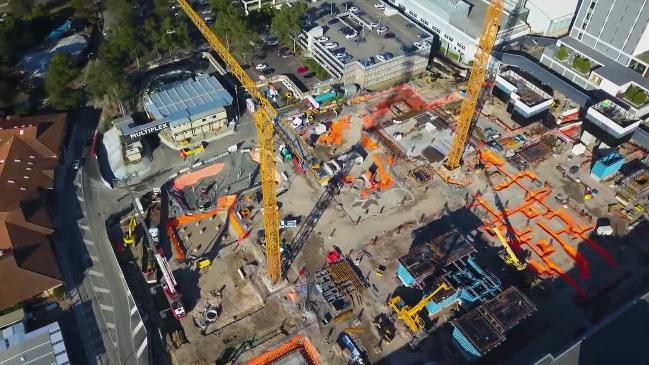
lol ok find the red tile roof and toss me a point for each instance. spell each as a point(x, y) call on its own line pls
point(29, 148)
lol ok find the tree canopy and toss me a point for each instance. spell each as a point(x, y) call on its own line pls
point(60, 74)
point(286, 22)
point(233, 30)
point(21, 8)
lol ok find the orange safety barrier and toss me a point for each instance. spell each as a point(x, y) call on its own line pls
point(334, 137)
point(237, 226)
point(580, 260)
point(297, 343)
point(368, 143)
point(223, 203)
point(194, 177)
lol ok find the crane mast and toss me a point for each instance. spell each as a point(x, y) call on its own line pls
point(478, 70)
point(511, 258)
point(264, 117)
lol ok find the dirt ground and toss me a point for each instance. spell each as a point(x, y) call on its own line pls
point(377, 231)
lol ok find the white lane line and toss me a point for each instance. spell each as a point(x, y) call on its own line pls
point(101, 290)
point(141, 349)
point(106, 307)
point(88, 242)
point(137, 328)
point(83, 226)
point(133, 310)
point(110, 325)
point(94, 258)
point(96, 273)
point(80, 197)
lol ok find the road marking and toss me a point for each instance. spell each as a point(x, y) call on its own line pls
point(83, 226)
point(94, 258)
point(80, 197)
point(110, 325)
point(105, 307)
point(95, 273)
point(101, 290)
point(89, 242)
point(133, 310)
point(141, 349)
point(137, 329)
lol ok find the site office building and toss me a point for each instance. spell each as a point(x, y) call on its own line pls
point(188, 111)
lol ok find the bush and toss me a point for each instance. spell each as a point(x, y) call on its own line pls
point(581, 64)
point(636, 95)
point(314, 66)
point(562, 53)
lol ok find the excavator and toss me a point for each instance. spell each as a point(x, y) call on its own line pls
point(129, 238)
point(410, 315)
point(510, 258)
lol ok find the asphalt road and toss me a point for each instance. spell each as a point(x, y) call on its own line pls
point(104, 309)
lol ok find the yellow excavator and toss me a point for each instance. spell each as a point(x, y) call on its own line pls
point(129, 237)
point(510, 258)
point(410, 315)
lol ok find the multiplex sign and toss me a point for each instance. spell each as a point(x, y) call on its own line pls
point(148, 130)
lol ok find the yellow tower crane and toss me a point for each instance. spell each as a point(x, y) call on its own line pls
point(264, 116)
point(478, 70)
point(410, 315)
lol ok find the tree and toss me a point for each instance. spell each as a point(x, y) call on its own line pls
point(60, 74)
point(39, 11)
point(234, 32)
point(127, 40)
point(562, 53)
point(286, 22)
point(8, 42)
point(21, 8)
point(106, 80)
point(7, 86)
point(83, 8)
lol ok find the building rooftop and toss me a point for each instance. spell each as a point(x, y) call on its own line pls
point(616, 112)
point(29, 148)
point(528, 88)
point(187, 100)
point(43, 346)
point(485, 325)
point(554, 9)
point(609, 69)
point(425, 259)
point(624, 330)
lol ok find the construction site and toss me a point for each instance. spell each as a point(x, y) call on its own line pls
point(388, 227)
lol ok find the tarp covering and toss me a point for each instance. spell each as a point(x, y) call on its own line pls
point(196, 176)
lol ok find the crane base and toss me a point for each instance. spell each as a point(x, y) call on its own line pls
point(273, 287)
point(454, 177)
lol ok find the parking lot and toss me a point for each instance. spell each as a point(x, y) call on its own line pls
point(368, 44)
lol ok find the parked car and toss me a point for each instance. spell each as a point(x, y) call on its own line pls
point(272, 41)
point(322, 39)
point(382, 29)
point(261, 66)
point(309, 75)
point(340, 55)
point(389, 35)
point(351, 35)
point(353, 9)
point(76, 164)
point(330, 45)
point(495, 146)
point(382, 57)
point(333, 21)
point(268, 71)
point(379, 6)
point(374, 25)
point(422, 45)
point(423, 35)
point(302, 69)
point(520, 138)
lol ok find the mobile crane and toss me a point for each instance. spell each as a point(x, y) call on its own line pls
point(478, 71)
point(410, 315)
point(510, 258)
point(265, 117)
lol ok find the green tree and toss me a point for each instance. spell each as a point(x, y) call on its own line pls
point(21, 8)
point(112, 53)
point(7, 85)
point(562, 53)
point(234, 32)
point(128, 41)
point(39, 11)
point(286, 22)
point(106, 80)
point(8, 42)
point(219, 6)
point(60, 74)
point(83, 8)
